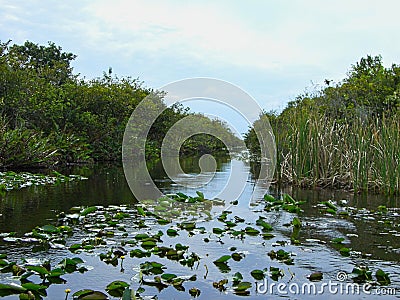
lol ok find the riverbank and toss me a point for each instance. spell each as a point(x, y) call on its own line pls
point(345, 136)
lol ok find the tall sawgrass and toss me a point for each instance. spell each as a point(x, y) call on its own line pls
point(356, 153)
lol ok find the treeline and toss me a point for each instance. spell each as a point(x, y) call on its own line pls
point(50, 115)
point(345, 135)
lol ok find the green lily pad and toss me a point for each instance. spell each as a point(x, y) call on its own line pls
point(168, 276)
point(316, 276)
point(50, 229)
point(223, 259)
point(117, 288)
point(172, 232)
point(217, 230)
point(88, 210)
point(251, 231)
point(89, 295)
point(257, 274)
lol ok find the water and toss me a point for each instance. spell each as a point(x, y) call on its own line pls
point(377, 243)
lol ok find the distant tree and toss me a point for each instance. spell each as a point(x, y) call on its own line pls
point(50, 62)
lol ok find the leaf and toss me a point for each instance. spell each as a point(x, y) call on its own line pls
point(296, 222)
point(148, 244)
point(140, 211)
point(141, 236)
point(244, 285)
point(117, 285)
point(89, 295)
point(217, 230)
point(223, 259)
point(382, 277)
point(33, 287)
point(168, 276)
point(337, 240)
point(344, 251)
point(257, 274)
point(50, 229)
point(251, 231)
point(237, 256)
point(194, 292)
point(200, 194)
point(267, 235)
point(330, 205)
point(316, 276)
point(38, 269)
point(88, 210)
point(128, 294)
point(266, 226)
point(12, 287)
point(288, 199)
point(172, 232)
point(269, 198)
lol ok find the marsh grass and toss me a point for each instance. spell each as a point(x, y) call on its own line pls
point(358, 154)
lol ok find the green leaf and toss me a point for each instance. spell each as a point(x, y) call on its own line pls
point(316, 276)
point(257, 274)
point(89, 295)
point(50, 229)
point(148, 244)
point(38, 269)
point(172, 232)
point(129, 294)
point(194, 292)
point(382, 277)
point(88, 210)
point(251, 231)
point(223, 259)
point(33, 286)
point(140, 211)
point(117, 285)
point(330, 205)
point(269, 198)
point(296, 222)
point(200, 194)
point(288, 199)
point(168, 276)
point(217, 230)
point(12, 287)
point(244, 285)
point(344, 251)
point(141, 236)
point(337, 240)
point(266, 226)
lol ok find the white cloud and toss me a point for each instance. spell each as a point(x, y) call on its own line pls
point(207, 32)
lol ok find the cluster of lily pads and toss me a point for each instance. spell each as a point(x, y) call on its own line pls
point(138, 236)
point(388, 218)
point(11, 180)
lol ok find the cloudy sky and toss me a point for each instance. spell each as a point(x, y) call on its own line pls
point(273, 49)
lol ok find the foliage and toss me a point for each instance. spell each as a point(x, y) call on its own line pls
point(344, 136)
point(49, 115)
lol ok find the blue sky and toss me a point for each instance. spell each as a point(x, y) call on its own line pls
point(273, 49)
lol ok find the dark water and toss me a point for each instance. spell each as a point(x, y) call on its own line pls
point(377, 241)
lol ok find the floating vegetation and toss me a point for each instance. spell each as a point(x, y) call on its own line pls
point(171, 254)
point(12, 180)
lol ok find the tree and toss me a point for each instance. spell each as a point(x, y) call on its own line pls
point(49, 62)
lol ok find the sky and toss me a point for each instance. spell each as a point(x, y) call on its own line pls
point(272, 49)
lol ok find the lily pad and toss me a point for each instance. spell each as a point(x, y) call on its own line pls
point(257, 274)
point(223, 259)
point(89, 295)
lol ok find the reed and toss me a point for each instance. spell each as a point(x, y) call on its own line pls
point(358, 154)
